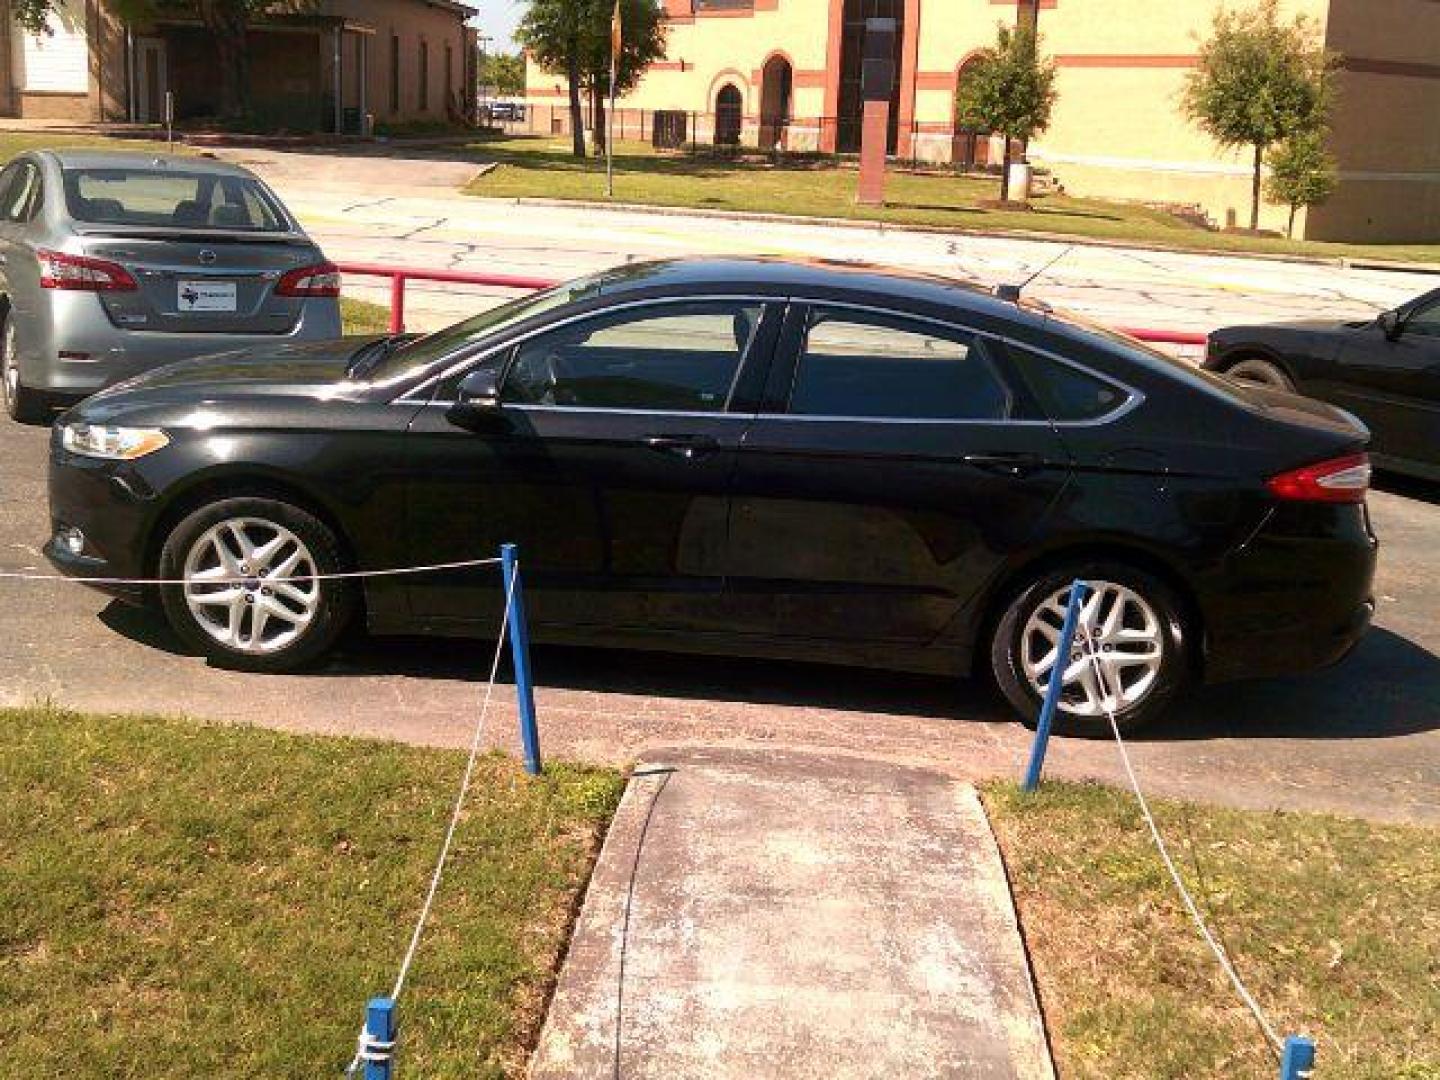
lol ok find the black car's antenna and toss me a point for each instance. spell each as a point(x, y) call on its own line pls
point(1012, 292)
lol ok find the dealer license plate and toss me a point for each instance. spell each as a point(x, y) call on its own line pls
point(206, 296)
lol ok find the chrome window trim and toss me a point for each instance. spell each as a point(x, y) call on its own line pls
point(427, 387)
point(1133, 397)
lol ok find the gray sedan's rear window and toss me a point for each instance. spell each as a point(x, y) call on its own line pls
point(169, 198)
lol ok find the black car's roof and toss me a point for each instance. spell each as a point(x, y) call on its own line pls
point(814, 276)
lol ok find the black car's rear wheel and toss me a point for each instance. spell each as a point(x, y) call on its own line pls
point(21, 403)
point(250, 599)
point(1128, 657)
point(1261, 372)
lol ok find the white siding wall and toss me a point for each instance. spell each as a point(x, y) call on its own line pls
point(56, 62)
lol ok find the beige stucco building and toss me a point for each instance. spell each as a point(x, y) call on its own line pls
point(767, 72)
point(324, 65)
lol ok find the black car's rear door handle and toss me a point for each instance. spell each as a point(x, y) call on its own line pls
point(686, 446)
point(1017, 464)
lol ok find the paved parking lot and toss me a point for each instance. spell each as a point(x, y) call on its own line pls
point(1363, 737)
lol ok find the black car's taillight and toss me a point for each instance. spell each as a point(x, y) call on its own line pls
point(80, 273)
point(1337, 480)
point(322, 279)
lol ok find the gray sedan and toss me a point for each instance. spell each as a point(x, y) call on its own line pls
point(112, 263)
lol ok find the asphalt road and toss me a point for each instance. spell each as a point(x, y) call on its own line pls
point(1362, 738)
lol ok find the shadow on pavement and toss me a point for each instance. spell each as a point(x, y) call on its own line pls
point(1388, 687)
point(1409, 487)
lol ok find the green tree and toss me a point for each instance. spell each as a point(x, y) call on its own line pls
point(1259, 82)
point(226, 20)
point(1009, 90)
point(1302, 173)
point(572, 38)
point(504, 73)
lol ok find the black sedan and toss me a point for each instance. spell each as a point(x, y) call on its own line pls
point(741, 457)
point(1385, 370)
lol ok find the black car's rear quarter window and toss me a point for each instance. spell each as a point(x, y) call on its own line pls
point(1065, 393)
point(869, 365)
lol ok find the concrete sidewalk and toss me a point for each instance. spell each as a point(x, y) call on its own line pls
point(786, 915)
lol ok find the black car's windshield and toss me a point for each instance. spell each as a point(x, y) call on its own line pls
point(413, 356)
point(171, 198)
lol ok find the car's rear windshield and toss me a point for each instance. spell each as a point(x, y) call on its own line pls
point(171, 198)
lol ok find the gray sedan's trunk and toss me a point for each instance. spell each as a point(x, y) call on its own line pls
point(202, 283)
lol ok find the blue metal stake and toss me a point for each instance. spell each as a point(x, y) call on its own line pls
point(1298, 1062)
point(520, 654)
point(380, 1039)
point(1078, 589)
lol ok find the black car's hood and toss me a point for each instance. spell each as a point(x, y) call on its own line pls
point(1260, 331)
point(308, 369)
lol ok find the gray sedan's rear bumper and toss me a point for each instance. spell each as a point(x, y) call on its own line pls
point(78, 351)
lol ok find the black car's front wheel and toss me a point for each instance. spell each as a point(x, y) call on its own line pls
point(1128, 657)
point(1261, 372)
point(251, 599)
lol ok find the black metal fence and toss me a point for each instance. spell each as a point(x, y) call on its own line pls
point(734, 132)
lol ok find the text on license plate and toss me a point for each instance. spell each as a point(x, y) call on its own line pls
point(206, 296)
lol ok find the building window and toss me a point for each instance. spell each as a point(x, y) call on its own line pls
point(394, 73)
point(424, 76)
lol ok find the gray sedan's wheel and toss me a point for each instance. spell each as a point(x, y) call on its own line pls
point(1253, 369)
point(250, 599)
point(1130, 623)
point(21, 403)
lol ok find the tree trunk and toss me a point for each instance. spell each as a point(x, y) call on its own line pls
point(1290, 225)
point(1255, 189)
point(1005, 172)
point(577, 113)
point(227, 21)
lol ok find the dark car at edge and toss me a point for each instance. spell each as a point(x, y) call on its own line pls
point(745, 457)
point(1385, 370)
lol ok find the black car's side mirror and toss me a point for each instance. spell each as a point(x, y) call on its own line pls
point(1391, 325)
point(477, 398)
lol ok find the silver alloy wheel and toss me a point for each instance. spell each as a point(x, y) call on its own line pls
point(12, 365)
point(1125, 634)
point(1260, 372)
point(262, 613)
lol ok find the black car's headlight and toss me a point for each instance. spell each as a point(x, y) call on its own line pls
point(112, 443)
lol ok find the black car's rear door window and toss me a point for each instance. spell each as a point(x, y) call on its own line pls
point(858, 364)
point(673, 357)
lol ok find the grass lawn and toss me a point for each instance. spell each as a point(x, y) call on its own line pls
point(16, 142)
point(363, 317)
point(184, 900)
point(1333, 923)
point(542, 167)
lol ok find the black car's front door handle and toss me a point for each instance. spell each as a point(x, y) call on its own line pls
point(686, 446)
point(1017, 464)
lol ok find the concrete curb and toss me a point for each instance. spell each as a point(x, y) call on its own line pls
point(1342, 262)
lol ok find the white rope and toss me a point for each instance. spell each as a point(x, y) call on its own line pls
point(365, 1043)
point(1220, 954)
point(339, 575)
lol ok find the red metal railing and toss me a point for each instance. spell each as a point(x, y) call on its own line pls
point(399, 275)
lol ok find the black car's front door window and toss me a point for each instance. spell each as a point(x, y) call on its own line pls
point(680, 357)
point(858, 364)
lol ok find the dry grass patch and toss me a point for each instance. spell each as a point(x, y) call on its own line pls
point(1334, 924)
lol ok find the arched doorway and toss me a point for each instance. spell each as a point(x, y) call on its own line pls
point(969, 147)
point(777, 80)
point(729, 108)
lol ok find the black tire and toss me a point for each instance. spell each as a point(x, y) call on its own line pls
point(22, 404)
point(1007, 645)
point(1261, 372)
point(334, 604)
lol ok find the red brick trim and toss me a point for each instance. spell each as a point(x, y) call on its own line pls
point(1125, 60)
point(832, 71)
point(909, 64)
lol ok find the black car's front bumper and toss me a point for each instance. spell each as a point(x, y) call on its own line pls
point(111, 505)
